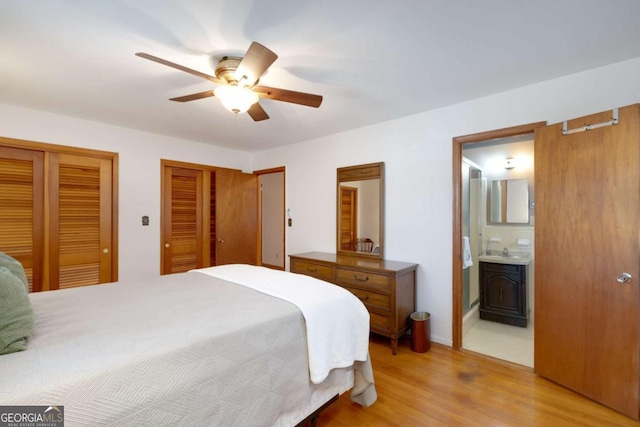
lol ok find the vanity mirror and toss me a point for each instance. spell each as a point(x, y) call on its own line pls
point(360, 210)
point(508, 201)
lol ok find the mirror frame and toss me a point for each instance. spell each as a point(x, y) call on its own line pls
point(361, 173)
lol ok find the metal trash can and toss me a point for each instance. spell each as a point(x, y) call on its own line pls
point(420, 331)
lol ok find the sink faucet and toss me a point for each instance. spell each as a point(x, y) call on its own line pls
point(488, 250)
point(505, 252)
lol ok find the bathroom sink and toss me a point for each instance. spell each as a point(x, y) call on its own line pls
point(518, 258)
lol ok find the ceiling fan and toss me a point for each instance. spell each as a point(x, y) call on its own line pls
point(239, 77)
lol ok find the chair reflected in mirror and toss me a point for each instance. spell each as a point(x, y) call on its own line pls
point(364, 245)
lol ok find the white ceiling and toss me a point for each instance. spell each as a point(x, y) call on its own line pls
point(371, 60)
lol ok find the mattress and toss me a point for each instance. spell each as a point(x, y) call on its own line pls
point(181, 350)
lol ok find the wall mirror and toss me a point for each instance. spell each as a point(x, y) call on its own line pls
point(360, 210)
point(508, 201)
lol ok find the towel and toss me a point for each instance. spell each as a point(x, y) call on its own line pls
point(467, 261)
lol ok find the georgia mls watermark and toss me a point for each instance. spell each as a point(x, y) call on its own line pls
point(31, 416)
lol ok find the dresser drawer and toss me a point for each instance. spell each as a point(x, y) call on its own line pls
point(363, 278)
point(379, 322)
point(319, 271)
point(371, 299)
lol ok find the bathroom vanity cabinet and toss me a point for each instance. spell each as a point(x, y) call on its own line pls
point(503, 293)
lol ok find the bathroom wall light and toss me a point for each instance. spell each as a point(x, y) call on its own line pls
point(509, 163)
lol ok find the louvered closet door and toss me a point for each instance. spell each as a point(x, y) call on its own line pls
point(80, 193)
point(183, 220)
point(21, 209)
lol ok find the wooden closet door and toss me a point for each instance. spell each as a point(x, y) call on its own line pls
point(183, 220)
point(587, 187)
point(80, 220)
point(21, 210)
point(236, 204)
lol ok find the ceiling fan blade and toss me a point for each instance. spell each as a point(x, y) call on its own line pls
point(255, 62)
point(276, 94)
point(180, 67)
point(257, 113)
point(193, 97)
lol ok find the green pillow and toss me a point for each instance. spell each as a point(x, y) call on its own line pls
point(16, 315)
point(15, 267)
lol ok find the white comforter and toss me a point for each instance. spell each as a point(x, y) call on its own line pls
point(337, 323)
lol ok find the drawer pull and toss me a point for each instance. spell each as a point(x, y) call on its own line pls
point(363, 299)
point(355, 276)
point(313, 270)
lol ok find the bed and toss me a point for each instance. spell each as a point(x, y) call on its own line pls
point(201, 348)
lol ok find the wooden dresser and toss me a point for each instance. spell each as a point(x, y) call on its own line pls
point(387, 288)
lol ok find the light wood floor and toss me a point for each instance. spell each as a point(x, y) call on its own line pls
point(448, 388)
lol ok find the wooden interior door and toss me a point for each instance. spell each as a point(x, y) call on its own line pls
point(348, 217)
point(21, 210)
point(183, 248)
point(236, 230)
point(80, 220)
point(587, 188)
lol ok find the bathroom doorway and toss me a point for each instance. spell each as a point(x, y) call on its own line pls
point(492, 157)
point(499, 226)
point(271, 218)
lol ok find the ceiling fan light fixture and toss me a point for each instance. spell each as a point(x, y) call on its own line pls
point(238, 77)
point(235, 98)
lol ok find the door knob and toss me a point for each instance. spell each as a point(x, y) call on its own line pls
point(166, 245)
point(105, 250)
point(624, 278)
point(221, 240)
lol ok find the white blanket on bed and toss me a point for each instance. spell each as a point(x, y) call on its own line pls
point(175, 350)
point(337, 322)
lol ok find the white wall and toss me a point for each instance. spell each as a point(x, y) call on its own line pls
point(417, 152)
point(139, 173)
